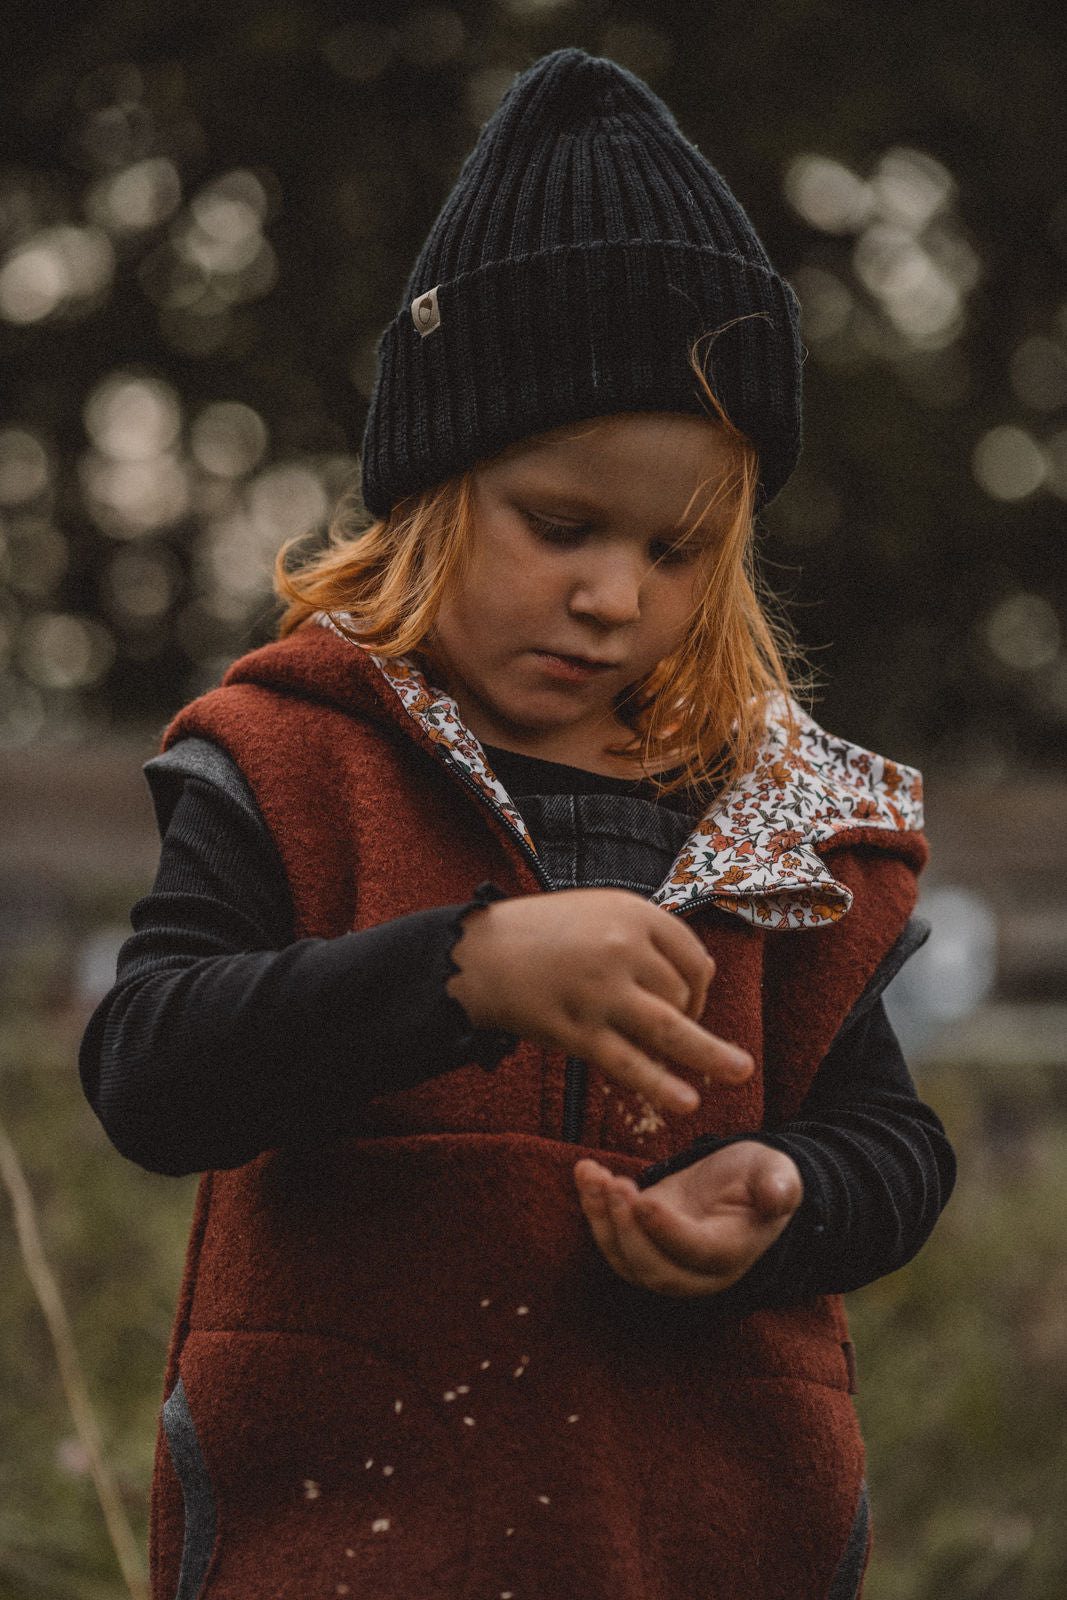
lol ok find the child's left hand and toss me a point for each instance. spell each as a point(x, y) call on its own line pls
point(699, 1230)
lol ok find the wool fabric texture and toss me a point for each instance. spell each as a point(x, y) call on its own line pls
point(585, 249)
point(408, 1369)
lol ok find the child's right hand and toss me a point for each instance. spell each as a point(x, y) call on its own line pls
point(601, 974)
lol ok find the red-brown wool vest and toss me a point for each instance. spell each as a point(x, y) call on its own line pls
point(409, 1371)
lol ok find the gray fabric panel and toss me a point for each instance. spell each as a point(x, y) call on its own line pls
point(849, 1574)
point(195, 758)
point(916, 932)
point(604, 840)
point(201, 1516)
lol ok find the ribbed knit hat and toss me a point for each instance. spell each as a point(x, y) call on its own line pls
point(584, 249)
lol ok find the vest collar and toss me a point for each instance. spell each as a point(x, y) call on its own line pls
point(757, 851)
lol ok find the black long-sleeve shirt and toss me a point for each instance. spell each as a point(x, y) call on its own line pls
point(223, 1038)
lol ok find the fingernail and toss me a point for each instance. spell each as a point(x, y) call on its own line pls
point(743, 1062)
point(686, 1097)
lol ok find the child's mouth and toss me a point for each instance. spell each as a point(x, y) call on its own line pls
point(577, 669)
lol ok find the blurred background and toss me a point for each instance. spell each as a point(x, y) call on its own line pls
point(207, 214)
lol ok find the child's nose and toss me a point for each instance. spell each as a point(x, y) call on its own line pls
point(610, 592)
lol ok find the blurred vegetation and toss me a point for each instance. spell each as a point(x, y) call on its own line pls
point(207, 215)
point(115, 1237)
point(963, 1355)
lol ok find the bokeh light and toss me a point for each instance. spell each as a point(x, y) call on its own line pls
point(826, 304)
point(37, 556)
point(238, 550)
point(228, 439)
point(1008, 463)
point(139, 197)
point(910, 255)
point(827, 194)
point(61, 651)
point(140, 584)
point(24, 466)
point(133, 479)
point(133, 418)
point(1023, 632)
point(59, 270)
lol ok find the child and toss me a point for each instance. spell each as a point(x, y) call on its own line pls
point(514, 1271)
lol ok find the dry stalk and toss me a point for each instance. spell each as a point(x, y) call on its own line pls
point(46, 1288)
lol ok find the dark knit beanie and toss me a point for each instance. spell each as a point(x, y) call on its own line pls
point(585, 248)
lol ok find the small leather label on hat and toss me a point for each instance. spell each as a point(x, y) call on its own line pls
point(425, 312)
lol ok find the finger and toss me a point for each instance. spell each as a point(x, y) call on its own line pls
point(625, 1064)
point(682, 948)
point(778, 1189)
point(661, 977)
point(634, 1255)
point(591, 1180)
point(722, 1246)
point(663, 1032)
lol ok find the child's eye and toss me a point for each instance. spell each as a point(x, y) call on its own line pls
point(673, 555)
point(556, 532)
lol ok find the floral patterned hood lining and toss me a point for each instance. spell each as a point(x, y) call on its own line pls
point(755, 851)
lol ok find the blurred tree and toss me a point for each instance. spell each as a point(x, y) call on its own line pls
point(207, 214)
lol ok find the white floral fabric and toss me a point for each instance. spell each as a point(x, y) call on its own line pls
point(755, 852)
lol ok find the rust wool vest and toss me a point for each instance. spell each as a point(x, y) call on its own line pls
point(402, 1366)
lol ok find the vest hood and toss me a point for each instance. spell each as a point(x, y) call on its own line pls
point(757, 853)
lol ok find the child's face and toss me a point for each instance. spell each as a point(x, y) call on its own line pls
point(583, 575)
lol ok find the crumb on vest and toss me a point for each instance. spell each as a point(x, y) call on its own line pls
point(380, 1525)
point(311, 1489)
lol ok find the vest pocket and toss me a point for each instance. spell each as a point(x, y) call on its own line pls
point(201, 1514)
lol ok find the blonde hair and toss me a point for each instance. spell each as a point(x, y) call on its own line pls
point(702, 709)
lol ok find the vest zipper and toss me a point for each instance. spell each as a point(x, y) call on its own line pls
point(575, 1092)
point(490, 805)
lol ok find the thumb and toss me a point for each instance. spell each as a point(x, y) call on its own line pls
point(777, 1187)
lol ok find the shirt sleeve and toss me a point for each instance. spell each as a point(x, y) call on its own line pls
point(876, 1165)
point(222, 1037)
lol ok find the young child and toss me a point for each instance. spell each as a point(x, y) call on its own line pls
point(513, 967)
